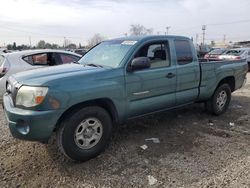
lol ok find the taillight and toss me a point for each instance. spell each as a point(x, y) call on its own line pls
point(237, 57)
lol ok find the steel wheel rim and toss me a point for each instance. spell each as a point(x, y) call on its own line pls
point(88, 133)
point(221, 100)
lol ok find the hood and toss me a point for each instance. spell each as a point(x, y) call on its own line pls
point(47, 74)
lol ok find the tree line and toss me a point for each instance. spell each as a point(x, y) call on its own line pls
point(135, 30)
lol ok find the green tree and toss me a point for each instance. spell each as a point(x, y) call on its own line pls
point(72, 46)
point(14, 46)
point(54, 46)
point(10, 47)
point(22, 47)
point(48, 46)
point(41, 44)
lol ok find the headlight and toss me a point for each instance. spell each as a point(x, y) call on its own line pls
point(29, 96)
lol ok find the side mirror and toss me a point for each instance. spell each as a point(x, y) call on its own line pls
point(140, 63)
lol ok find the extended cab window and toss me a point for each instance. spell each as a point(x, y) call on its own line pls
point(158, 53)
point(183, 52)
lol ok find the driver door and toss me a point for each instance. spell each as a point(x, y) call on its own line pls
point(151, 89)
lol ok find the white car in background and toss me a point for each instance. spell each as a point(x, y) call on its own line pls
point(3, 50)
point(237, 54)
point(11, 63)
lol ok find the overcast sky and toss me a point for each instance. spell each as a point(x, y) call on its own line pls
point(78, 20)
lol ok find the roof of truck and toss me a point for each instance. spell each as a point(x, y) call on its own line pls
point(150, 37)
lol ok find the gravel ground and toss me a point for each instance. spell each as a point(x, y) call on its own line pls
point(195, 150)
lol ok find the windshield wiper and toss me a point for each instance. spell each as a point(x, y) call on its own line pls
point(93, 65)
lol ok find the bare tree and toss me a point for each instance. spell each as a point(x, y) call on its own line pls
point(97, 38)
point(137, 30)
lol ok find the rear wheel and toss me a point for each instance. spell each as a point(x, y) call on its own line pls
point(85, 134)
point(220, 100)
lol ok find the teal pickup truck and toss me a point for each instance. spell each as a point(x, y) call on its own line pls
point(115, 81)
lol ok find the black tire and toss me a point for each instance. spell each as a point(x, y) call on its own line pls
point(212, 106)
point(67, 130)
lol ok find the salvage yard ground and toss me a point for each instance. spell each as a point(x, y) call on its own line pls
point(195, 150)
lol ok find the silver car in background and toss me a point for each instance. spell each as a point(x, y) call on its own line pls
point(11, 63)
point(236, 54)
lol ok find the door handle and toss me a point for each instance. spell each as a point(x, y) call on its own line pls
point(170, 75)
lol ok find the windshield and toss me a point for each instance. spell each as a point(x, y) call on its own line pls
point(109, 53)
point(217, 52)
point(234, 52)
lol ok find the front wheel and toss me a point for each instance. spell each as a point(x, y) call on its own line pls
point(85, 134)
point(220, 100)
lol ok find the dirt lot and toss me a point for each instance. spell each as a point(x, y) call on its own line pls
point(195, 150)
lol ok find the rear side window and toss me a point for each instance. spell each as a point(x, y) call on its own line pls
point(67, 58)
point(1, 60)
point(37, 59)
point(183, 52)
point(235, 52)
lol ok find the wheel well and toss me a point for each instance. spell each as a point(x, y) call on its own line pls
point(230, 81)
point(105, 103)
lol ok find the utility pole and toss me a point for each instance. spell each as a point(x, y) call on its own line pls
point(224, 39)
point(30, 41)
point(167, 29)
point(196, 38)
point(64, 42)
point(203, 33)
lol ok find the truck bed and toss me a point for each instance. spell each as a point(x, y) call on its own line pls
point(214, 71)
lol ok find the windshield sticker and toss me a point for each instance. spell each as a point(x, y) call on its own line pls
point(129, 42)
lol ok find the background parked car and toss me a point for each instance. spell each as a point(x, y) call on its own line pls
point(80, 51)
point(4, 50)
point(214, 54)
point(202, 50)
point(11, 63)
point(236, 54)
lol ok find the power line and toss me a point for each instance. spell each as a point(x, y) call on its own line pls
point(214, 24)
point(228, 23)
point(36, 33)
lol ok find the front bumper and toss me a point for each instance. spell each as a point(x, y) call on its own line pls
point(28, 124)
